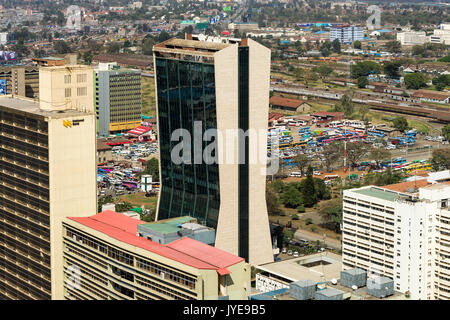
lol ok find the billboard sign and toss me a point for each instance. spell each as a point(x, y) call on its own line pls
point(8, 56)
point(2, 87)
point(187, 22)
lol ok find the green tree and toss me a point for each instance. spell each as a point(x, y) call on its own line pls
point(379, 155)
point(346, 104)
point(278, 186)
point(272, 201)
point(149, 217)
point(332, 215)
point(391, 69)
point(301, 162)
point(356, 151)
point(363, 111)
point(322, 191)
point(152, 168)
point(357, 44)
point(103, 200)
point(336, 46)
point(416, 80)
point(147, 46)
point(332, 154)
point(446, 132)
point(61, 47)
point(394, 46)
point(363, 69)
point(123, 206)
point(362, 82)
point(87, 57)
point(113, 48)
point(400, 123)
point(323, 70)
point(291, 197)
point(308, 188)
point(442, 81)
point(440, 159)
point(163, 36)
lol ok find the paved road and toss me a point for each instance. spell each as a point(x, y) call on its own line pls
point(303, 234)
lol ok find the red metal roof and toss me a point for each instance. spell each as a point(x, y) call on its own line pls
point(185, 250)
point(223, 271)
point(204, 252)
point(139, 130)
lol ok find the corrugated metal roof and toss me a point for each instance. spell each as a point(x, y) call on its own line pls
point(187, 251)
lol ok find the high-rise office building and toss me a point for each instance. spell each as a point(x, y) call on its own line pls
point(400, 231)
point(106, 257)
point(346, 33)
point(118, 98)
point(223, 85)
point(47, 172)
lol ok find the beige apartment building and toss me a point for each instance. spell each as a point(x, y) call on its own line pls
point(106, 258)
point(219, 84)
point(67, 87)
point(47, 172)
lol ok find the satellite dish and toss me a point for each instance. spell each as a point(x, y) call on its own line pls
point(354, 287)
point(333, 281)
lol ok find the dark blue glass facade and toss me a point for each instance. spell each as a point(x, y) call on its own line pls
point(186, 94)
point(243, 186)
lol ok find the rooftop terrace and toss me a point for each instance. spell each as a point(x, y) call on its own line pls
point(379, 193)
point(31, 106)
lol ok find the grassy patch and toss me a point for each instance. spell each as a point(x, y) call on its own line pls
point(139, 199)
point(148, 97)
point(419, 125)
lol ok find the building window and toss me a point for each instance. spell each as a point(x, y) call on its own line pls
point(81, 92)
point(67, 78)
point(81, 77)
point(68, 92)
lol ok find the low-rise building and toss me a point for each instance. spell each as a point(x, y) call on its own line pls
point(106, 258)
point(288, 104)
point(104, 152)
point(412, 38)
point(431, 96)
point(317, 267)
point(325, 116)
point(49, 61)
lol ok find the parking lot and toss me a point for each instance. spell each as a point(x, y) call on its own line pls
point(121, 176)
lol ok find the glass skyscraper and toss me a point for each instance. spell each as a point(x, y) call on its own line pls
point(186, 94)
point(220, 84)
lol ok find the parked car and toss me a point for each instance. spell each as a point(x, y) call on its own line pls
point(290, 252)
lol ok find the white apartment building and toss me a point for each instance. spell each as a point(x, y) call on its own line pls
point(411, 38)
point(346, 34)
point(441, 35)
point(400, 231)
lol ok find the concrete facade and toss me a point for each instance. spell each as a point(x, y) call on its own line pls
point(118, 98)
point(66, 87)
point(401, 235)
point(145, 273)
point(53, 164)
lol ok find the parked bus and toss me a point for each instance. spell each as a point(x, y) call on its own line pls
point(330, 178)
